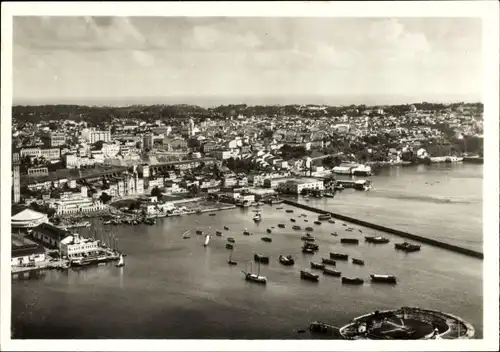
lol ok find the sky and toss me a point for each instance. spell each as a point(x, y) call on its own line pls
point(253, 60)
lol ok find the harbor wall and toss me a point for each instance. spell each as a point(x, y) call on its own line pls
point(403, 234)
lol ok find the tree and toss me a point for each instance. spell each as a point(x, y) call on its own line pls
point(156, 192)
point(105, 198)
point(194, 190)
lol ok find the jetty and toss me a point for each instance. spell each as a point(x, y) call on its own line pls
point(403, 234)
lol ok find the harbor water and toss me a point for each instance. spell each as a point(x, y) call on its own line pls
point(176, 288)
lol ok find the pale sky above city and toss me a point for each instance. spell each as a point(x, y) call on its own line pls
point(125, 60)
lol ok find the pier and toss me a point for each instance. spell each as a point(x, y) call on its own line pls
point(403, 234)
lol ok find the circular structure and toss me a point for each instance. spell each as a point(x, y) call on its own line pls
point(407, 323)
point(28, 219)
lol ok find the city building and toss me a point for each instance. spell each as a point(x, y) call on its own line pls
point(50, 235)
point(33, 152)
point(71, 203)
point(74, 246)
point(38, 171)
point(96, 136)
point(25, 254)
point(50, 154)
point(148, 141)
point(296, 186)
point(57, 139)
point(27, 219)
point(16, 179)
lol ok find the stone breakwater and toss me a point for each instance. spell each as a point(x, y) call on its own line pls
point(391, 231)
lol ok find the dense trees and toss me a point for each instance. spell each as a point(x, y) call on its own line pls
point(105, 198)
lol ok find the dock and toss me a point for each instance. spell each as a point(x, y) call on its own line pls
point(403, 234)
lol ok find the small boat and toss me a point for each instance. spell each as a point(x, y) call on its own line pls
point(186, 234)
point(377, 239)
point(211, 214)
point(349, 240)
point(261, 259)
point(288, 260)
point(289, 211)
point(207, 240)
point(230, 261)
point(339, 256)
point(108, 222)
point(317, 222)
point(306, 275)
point(199, 232)
point(279, 208)
point(281, 226)
point(331, 272)
point(352, 280)
point(257, 217)
point(249, 276)
point(218, 233)
point(344, 224)
point(331, 221)
point(266, 239)
point(358, 261)
point(268, 230)
point(121, 262)
point(308, 238)
point(230, 239)
point(317, 265)
point(324, 217)
point(390, 279)
point(149, 221)
point(307, 250)
point(313, 246)
point(309, 228)
point(246, 232)
point(292, 220)
point(305, 220)
point(296, 227)
point(407, 247)
point(226, 228)
point(334, 234)
point(229, 246)
point(328, 261)
point(328, 195)
point(360, 231)
point(303, 214)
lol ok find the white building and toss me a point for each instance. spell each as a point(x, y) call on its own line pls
point(296, 186)
point(76, 203)
point(75, 246)
point(96, 136)
point(110, 150)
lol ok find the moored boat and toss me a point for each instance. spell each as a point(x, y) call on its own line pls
point(257, 217)
point(376, 239)
point(307, 250)
point(218, 233)
point(331, 272)
point(286, 260)
point(328, 261)
point(390, 279)
point(296, 227)
point(309, 228)
point(257, 278)
point(266, 239)
point(349, 240)
point(324, 217)
point(352, 280)
point(226, 228)
point(268, 231)
point(358, 261)
point(281, 226)
point(230, 239)
point(313, 246)
point(246, 232)
point(317, 222)
point(292, 220)
point(229, 246)
point(199, 232)
point(334, 234)
point(230, 260)
point(331, 221)
point(339, 256)
point(407, 247)
point(308, 238)
point(261, 259)
point(306, 275)
point(211, 214)
point(289, 210)
point(121, 262)
point(186, 234)
point(315, 265)
point(207, 240)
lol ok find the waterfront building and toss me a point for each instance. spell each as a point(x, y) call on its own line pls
point(296, 186)
point(74, 246)
point(28, 219)
point(24, 254)
point(76, 203)
point(49, 235)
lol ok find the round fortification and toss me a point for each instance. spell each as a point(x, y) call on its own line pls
point(407, 323)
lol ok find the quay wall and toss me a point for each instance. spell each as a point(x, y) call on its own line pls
point(403, 234)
